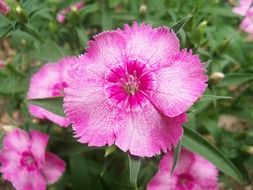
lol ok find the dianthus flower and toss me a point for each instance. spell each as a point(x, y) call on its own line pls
point(4, 8)
point(25, 162)
point(1, 64)
point(192, 172)
point(60, 17)
point(247, 22)
point(48, 82)
point(243, 7)
point(132, 88)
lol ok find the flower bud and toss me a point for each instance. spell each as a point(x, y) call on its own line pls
point(143, 9)
point(247, 149)
point(216, 77)
point(18, 9)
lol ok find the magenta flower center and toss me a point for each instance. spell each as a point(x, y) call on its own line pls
point(28, 161)
point(185, 181)
point(58, 88)
point(129, 84)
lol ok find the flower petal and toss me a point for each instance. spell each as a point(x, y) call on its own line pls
point(206, 178)
point(179, 84)
point(150, 45)
point(10, 163)
point(149, 132)
point(247, 24)
point(53, 168)
point(38, 145)
point(17, 140)
point(243, 7)
point(106, 50)
point(162, 181)
point(186, 160)
point(29, 180)
point(87, 107)
point(94, 120)
point(42, 113)
point(42, 82)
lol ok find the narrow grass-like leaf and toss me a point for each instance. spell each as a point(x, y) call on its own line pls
point(213, 97)
point(134, 168)
point(196, 143)
point(180, 24)
point(54, 104)
point(176, 156)
point(235, 79)
point(89, 9)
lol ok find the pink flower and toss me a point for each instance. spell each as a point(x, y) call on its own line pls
point(247, 22)
point(48, 82)
point(192, 172)
point(1, 64)
point(62, 13)
point(243, 7)
point(25, 162)
point(132, 88)
point(77, 6)
point(4, 8)
point(60, 18)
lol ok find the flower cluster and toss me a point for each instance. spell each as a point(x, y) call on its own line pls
point(62, 13)
point(131, 88)
point(245, 9)
point(4, 8)
point(23, 157)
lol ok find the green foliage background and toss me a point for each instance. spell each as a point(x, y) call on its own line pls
point(31, 36)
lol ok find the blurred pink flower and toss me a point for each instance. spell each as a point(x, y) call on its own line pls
point(62, 13)
point(4, 8)
point(1, 64)
point(132, 88)
point(243, 7)
point(78, 6)
point(247, 22)
point(60, 18)
point(48, 82)
point(25, 162)
point(192, 172)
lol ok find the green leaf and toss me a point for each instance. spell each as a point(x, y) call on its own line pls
point(49, 51)
point(72, 148)
point(124, 16)
point(4, 30)
point(83, 171)
point(134, 168)
point(54, 104)
point(82, 37)
point(213, 97)
point(180, 24)
point(88, 9)
point(12, 84)
point(235, 79)
point(176, 156)
point(4, 20)
point(196, 143)
point(106, 20)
